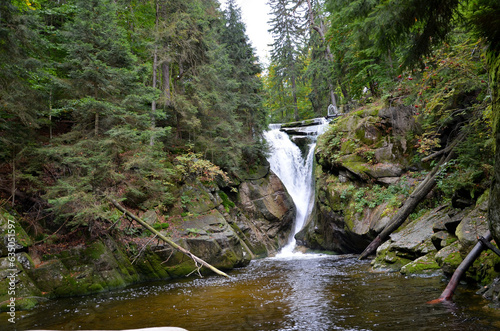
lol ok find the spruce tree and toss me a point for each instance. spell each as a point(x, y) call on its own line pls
point(109, 106)
point(244, 70)
point(288, 34)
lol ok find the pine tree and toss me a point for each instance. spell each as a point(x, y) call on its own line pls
point(288, 33)
point(109, 105)
point(244, 70)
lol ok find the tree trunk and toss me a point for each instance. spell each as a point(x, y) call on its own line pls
point(294, 95)
point(462, 268)
point(166, 83)
point(153, 104)
point(168, 241)
point(328, 53)
point(155, 74)
point(408, 207)
point(96, 124)
point(13, 188)
point(494, 205)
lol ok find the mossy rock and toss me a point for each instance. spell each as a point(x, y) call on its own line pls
point(424, 265)
point(387, 259)
point(197, 199)
point(485, 268)
point(355, 164)
point(449, 258)
point(22, 241)
point(151, 267)
point(27, 293)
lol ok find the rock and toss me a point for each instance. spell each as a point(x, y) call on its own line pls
point(442, 239)
point(449, 258)
point(388, 181)
point(269, 207)
point(423, 265)
point(387, 259)
point(10, 228)
point(473, 225)
point(382, 170)
point(150, 217)
point(385, 154)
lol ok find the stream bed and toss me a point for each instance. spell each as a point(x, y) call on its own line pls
point(302, 292)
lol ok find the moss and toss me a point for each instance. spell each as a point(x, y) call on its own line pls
point(423, 265)
point(228, 204)
point(95, 250)
point(25, 303)
point(388, 260)
point(453, 260)
point(485, 269)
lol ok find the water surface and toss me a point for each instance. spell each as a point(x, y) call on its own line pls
point(309, 293)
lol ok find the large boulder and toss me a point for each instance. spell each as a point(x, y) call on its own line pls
point(269, 208)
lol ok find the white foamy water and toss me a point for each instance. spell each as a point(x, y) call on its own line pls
point(295, 171)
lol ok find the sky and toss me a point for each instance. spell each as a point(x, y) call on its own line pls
point(255, 15)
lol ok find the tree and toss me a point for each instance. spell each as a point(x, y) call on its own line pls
point(287, 31)
point(244, 70)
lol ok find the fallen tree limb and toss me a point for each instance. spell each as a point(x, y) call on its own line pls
point(462, 268)
point(446, 149)
point(407, 208)
point(196, 259)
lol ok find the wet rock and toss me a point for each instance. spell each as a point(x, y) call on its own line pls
point(269, 207)
point(442, 239)
point(449, 258)
point(425, 265)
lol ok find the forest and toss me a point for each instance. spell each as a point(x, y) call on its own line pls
point(132, 99)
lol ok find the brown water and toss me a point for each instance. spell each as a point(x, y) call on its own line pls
point(321, 293)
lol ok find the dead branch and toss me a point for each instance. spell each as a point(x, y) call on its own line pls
point(408, 207)
point(462, 268)
point(196, 259)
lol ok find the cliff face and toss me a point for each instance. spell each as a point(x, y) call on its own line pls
point(365, 170)
point(226, 230)
point(360, 178)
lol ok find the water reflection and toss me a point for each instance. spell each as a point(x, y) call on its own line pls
point(310, 293)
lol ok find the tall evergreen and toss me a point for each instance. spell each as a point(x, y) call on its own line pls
point(244, 70)
point(109, 107)
point(288, 34)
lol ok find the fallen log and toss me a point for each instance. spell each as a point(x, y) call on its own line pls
point(168, 241)
point(407, 208)
point(462, 268)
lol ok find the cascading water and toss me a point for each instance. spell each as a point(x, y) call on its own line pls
point(294, 168)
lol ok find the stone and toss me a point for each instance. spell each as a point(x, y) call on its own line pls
point(473, 225)
point(449, 258)
point(382, 170)
point(424, 265)
point(150, 217)
point(442, 239)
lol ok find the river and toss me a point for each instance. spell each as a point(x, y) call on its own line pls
point(313, 292)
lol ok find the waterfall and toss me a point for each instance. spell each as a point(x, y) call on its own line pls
point(294, 168)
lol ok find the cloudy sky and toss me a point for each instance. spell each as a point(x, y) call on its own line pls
point(255, 15)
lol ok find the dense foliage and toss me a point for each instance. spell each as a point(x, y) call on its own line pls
point(124, 98)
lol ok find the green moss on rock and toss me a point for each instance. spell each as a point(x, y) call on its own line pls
point(423, 265)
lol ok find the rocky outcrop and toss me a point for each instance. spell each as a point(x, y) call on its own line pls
point(437, 242)
point(359, 184)
point(226, 229)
